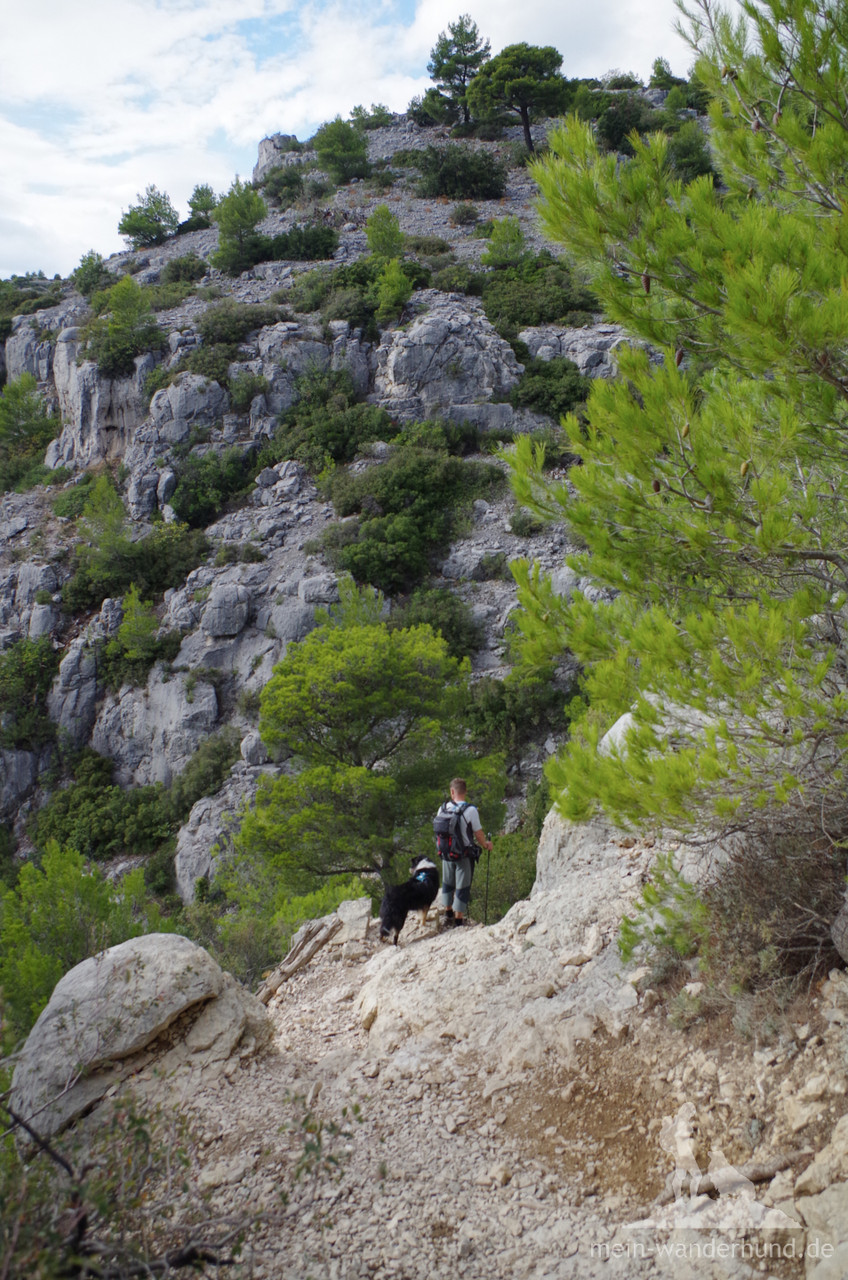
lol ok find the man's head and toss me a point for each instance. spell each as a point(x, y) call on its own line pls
point(458, 789)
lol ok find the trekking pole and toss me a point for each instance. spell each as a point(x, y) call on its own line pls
point(486, 899)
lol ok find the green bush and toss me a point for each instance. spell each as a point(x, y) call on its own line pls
point(304, 244)
point(524, 524)
point(230, 322)
point(625, 114)
point(460, 279)
point(464, 214)
point(350, 292)
point(553, 387)
point(126, 330)
point(164, 297)
point(239, 244)
point(406, 507)
point(27, 669)
point(244, 387)
point(206, 483)
point(446, 613)
point(327, 423)
point(426, 245)
point(379, 117)
point(383, 233)
point(91, 274)
point(689, 152)
point(284, 184)
point(506, 244)
point(58, 915)
point(342, 150)
point(70, 502)
point(184, 270)
point(538, 291)
point(461, 174)
point(394, 289)
point(505, 715)
point(26, 429)
point(128, 657)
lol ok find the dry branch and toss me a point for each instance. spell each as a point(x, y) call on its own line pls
point(308, 940)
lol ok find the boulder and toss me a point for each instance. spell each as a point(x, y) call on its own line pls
point(227, 610)
point(190, 401)
point(108, 1016)
point(447, 361)
point(592, 349)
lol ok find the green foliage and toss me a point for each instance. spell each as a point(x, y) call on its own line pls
point(126, 329)
point(342, 150)
point(91, 274)
point(58, 915)
point(394, 289)
point(461, 174)
point(406, 509)
point(721, 474)
point(237, 214)
point(27, 669)
point(506, 244)
point(349, 292)
point(383, 233)
point(430, 108)
point(284, 184)
point(662, 77)
point(460, 279)
point(554, 387)
point(26, 429)
point(230, 322)
point(130, 654)
point(689, 153)
point(455, 59)
point(446, 614)
point(327, 423)
point(625, 114)
point(244, 387)
point(464, 214)
point(309, 243)
point(205, 483)
point(21, 295)
point(537, 291)
point(509, 871)
point(185, 269)
point(670, 916)
point(527, 706)
point(151, 221)
point(70, 502)
point(202, 202)
point(379, 117)
point(523, 80)
point(108, 562)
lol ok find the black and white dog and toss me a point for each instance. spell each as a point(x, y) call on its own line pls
point(415, 894)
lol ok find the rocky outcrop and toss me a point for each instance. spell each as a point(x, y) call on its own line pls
point(273, 152)
point(190, 401)
point(157, 1005)
point(210, 823)
point(28, 352)
point(592, 349)
point(448, 361)
point(99, 415)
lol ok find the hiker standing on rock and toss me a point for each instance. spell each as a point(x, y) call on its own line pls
point(458, 832)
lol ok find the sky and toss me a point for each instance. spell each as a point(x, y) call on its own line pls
point(115, 95)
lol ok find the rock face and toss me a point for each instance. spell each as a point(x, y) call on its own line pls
point(448, 361)
point(105, 1016)
point(99, 414)
point(209, 824)
point(189, 401)
point(274, 151)
point(591, 349)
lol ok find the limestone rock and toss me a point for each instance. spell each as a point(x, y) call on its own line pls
point(18, 777)
point(448, 356)
point(273, 152)
point(100, 415)
point(27, 352)
point(189, 401)
point(209, 826)
point(592, 349)
point(110, 1009)
point(152, 733)
point(227, 610)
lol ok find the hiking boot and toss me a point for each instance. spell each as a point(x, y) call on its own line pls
point(449, 917)
point(457, 921)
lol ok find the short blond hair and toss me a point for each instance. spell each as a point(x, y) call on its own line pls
point(459, 786)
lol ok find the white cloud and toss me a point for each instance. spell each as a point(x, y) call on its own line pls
point(174, 92)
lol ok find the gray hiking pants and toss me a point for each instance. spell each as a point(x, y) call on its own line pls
point(456, 884)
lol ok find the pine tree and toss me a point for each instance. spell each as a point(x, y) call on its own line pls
point(713, 490)
point(455, 59)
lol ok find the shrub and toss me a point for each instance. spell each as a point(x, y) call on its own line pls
point(459, 279)
point(185, 269)
point(447, 615)
point(506, 244)
point(151, 221)
point(383, 233)
point(230, 322)
point(129, 655)
point(327, 424)
point(27, 669)
point(553, 387)
point(464, 214)
point(625, 114)
point(394, 289)
point(26, 429)
point(304, 244)
point(689, 153)
point(524, 524)
point(379, 117)
point(162, 297)
point(404, 518)
point(538, 291)
point(125, 331)
point(239, 244)
point(284, 184)
point(205, 484)
point(244, 387)
point(505, 715)
point(427, 245)
point(432, 108)
point(70, 503)
point(461, 174)
point(91, 274)
point(342, 150)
